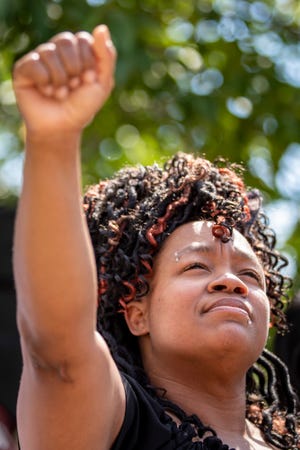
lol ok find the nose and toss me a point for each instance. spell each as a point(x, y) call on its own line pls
point(228, 283)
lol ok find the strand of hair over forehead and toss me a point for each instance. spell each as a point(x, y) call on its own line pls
point(129, 218)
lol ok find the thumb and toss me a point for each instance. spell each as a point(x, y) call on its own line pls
point(105, 54)
point(102, 40)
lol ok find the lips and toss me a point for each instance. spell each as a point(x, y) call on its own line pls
point(229, 304)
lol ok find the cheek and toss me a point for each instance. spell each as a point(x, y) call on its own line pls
point(172, 307)
point(263, 315)
point(266, 307)
point(178, 294)
point(188, 290)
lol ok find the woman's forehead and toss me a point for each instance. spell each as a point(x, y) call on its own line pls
point(198, 236)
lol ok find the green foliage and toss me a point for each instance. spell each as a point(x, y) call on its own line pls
point(219, 77)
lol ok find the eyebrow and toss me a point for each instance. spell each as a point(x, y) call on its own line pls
point(198, 247)
point(194, 247)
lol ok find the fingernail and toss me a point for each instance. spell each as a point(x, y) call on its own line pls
point(47, 90)
point(109, 43)
point(102, 28)
point(74, 82)
point(89, 76)
point(61, 93)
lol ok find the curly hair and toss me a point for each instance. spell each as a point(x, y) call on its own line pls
point(130, 216)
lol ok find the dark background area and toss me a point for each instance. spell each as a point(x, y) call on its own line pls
point(10, 355)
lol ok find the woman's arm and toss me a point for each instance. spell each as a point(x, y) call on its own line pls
point(71, 395)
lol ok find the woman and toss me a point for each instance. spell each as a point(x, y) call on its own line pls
point(186, 276)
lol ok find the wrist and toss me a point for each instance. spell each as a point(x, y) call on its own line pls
point(58, 142)
point(52, 157)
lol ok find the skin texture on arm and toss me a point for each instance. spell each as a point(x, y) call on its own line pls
point(70, 391)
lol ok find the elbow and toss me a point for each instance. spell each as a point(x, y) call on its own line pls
point(45, 353)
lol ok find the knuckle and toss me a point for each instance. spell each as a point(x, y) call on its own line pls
point(26, 64)
point(47, 46)
point(46, 50)
point(65, 42)
point(84, 36)
point(65, 36)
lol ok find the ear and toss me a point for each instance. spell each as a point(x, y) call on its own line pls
point(136, 317)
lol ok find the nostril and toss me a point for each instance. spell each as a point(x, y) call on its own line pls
point(219, 287)
point(239, 290)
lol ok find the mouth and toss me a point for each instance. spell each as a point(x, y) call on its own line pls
point(230, 305)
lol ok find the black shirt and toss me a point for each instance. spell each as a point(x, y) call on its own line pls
point(146, 426)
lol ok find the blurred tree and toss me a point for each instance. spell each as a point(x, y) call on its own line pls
point(220, 77)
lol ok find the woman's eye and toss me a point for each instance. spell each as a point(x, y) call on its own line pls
point(252, 274)
point(195, 265)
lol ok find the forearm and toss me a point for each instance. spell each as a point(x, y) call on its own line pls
point(59, 88)
point(53, 260)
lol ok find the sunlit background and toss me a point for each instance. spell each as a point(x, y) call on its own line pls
point(216, 77)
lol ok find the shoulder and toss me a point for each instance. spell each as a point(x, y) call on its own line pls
point(145, 423)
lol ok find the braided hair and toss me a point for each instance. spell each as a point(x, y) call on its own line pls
point(130, 216)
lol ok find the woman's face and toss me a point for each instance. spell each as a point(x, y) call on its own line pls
point(207, 300)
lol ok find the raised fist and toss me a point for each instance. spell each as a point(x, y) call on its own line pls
point(62, 84)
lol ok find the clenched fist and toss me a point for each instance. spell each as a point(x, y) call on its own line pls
point(62, 84)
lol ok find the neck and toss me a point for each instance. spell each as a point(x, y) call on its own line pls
point(217, 395)
point(219, 403)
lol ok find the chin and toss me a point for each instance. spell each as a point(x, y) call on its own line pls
point(236, 340)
